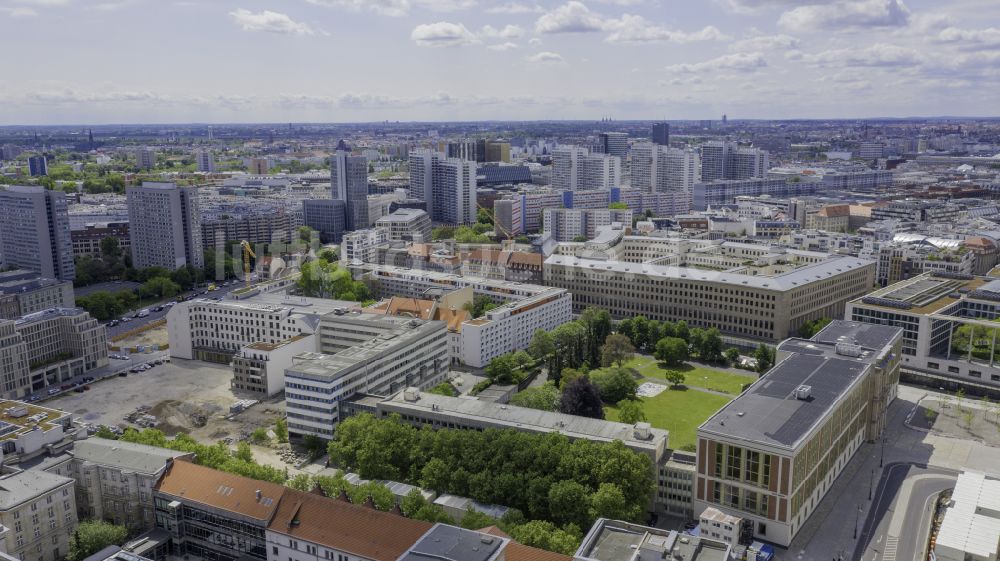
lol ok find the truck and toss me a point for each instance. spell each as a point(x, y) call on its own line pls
point(142, 313)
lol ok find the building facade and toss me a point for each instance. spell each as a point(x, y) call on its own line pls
point(326, 216)
point(164, 226)
point(657, 168)
point(38, 512)
point(87, 242)
point(36, 231)
point(349, 183)
point(407, 224)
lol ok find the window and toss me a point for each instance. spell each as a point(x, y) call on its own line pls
point(762, 528)
point(975, 374)
point(953, 369)
point(933, 365)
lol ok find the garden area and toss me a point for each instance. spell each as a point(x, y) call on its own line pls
point(679, 410)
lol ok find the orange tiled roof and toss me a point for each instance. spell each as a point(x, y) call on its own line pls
point(191, 482)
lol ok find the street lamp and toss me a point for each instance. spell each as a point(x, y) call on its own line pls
point(881, 460)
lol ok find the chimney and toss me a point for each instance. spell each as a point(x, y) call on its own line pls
point(259, 495)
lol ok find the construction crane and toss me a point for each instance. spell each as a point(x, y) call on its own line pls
point(247, 254)
point(493, 215)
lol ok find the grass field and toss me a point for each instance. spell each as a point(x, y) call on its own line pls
point(695, 376)
point(679, 411)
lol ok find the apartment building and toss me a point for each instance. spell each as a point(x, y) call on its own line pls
point(36, 231)
point(145, 159)
point(115, 480)
point(568, 224)
point(772, 454)
point(722, 160)
point(362, 246)
point(326, 216)
point(948, 328)
point(259, 368)
point(164, 226)
point(204, 161)
point(724, 192)
point(361, 353)
point(657, 168)
point(575, 169)
point(750, 292)
point(56, 345)
point(913, 255)
point(446, 185)
point(214, 515)
point(407, 224)
point(87, 242)
point(613, 144)
point(38, 514)
point(24, 292)
point(263, 226)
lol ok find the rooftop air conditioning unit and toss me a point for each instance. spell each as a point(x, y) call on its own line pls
point(641, 431)
point(411, 394)
point(803, 392)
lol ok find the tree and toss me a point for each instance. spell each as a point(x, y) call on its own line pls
point(617, 349)
point(609, 502)
point(582, 398)
point(597, 326)
point(811, 328)
point(305, 234)
point(630, 411)
point(110, 248)
point(412, 502)
point(92, 536)
point(569, 504)
point(671, 351)
point(732, 356)
point(243, 452)
point(281, 430)
point(484, 216)
point(765, 358)
point(474, 520)
point(442, 233)
point(445, 389)
point(500, 370)
point(301, 482)
point(615, 384)
point(711, 346)
point(544, 398)
point(546, 535)
point(674, 378)
point(259, 436)
point(159, 288)
point(541, 346)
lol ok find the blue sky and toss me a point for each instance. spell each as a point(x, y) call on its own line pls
point(165, 61)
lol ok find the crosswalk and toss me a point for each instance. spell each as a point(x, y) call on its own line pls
point(889, 553)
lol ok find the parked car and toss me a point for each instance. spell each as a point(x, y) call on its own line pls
point(123, 374)
point(113, 323)
point(53, 391)
point(66, 387)
point(86, 388)
point(78, 389)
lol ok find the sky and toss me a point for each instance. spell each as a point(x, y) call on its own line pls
point(226, 61)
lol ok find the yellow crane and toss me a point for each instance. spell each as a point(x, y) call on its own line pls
point(496, 226)
point(247, 254)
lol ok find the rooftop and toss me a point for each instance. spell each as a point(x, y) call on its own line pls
point(772, 411)
point(523, 418)
point(923, 294)
point(191, 482)
point(972, 521)
point(49, 314)
point(138, 458)
point(22, 486)
point(614, 540)
point(18, 418)
point(451, 543)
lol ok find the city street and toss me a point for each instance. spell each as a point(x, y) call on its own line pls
point(136, 323)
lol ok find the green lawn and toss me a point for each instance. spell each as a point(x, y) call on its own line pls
point(678, 411)
point(695, 376)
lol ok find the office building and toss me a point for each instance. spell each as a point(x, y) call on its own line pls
point(948, 328)
point(164, 226)
point(214, 515)
point(35, 231)
point(491, 176)
point(710, 194)
point(24, 292)
point(407, 224)
point(574, 169)
point(259, 368)
point(657, 168)
point(971, 525)
point(661, 134)
point(204, 161)
point(750, 292)
point(361, 353)
point(615, 540)
point(115, 480)
point(145, 159)
point(613, 144)
point(446, 185)
point(38, 515)
point(575, 225)
point(728, 160)
point(349, 183)
point(32, 430)
point(362, 246)
point(871, 150)
point(773, 453)
point(38, 166)
point(326, 216)
point(258, 226)
point(497, 151)
point(87, 241)
point(258, 166)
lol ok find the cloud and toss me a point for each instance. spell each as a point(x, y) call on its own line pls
point(738, 62)
point(271, 22)
point(544, 56)
point(970, 38)
point(446, 5)
point(571, 17)
point(765, 43)
point(853, 14)
point(19, 12)
point(442, 34)
point(755, 6)
point(43, 2)
point(514, 8)
point(879, 55)
point(508, 32)
point(637, 29)
point(503, 46)
point(393, 8)
point(534, 41)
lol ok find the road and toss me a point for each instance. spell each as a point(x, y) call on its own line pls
point(898, 524)
point(153, 316)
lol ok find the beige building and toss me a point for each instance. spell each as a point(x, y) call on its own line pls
point(115, 480)
point(38, 509)
point(772, 454)
point(832, 218)
point(750, 292)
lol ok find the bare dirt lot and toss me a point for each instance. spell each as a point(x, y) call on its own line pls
point(154, 336)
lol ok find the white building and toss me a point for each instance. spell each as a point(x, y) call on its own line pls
point(362, 246)
point(728, 160)
point(410, 224)
point(38, 512)
point(204, 160)
point(575, 169)
point(663, 169)
point(720, 526)
point(568, 224)
point(971, 526)
point(446, 185)
point(32, 430)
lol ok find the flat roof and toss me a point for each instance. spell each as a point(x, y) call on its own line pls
point(614, 540)
point(923, 294)
point(452, 543)
point(18, 418)
point(130, 456)
point(770, 412)
point(23, 486)
point(972, 522)
point(524, 418)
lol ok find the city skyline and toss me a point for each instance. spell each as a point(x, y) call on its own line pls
point(137, 61)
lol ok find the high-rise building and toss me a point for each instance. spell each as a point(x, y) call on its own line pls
point(326, 216)
point(658, 168)
point(727, 160)
point(573, 169)
point(205, 160)
point(258, 166)
point(35, 231)
point(661, 134)
point(614, 144)
point(349, 183)
point(446, 185)
point(164, 225)
point(38, 166)
point(145, 158)
point(497, 151)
